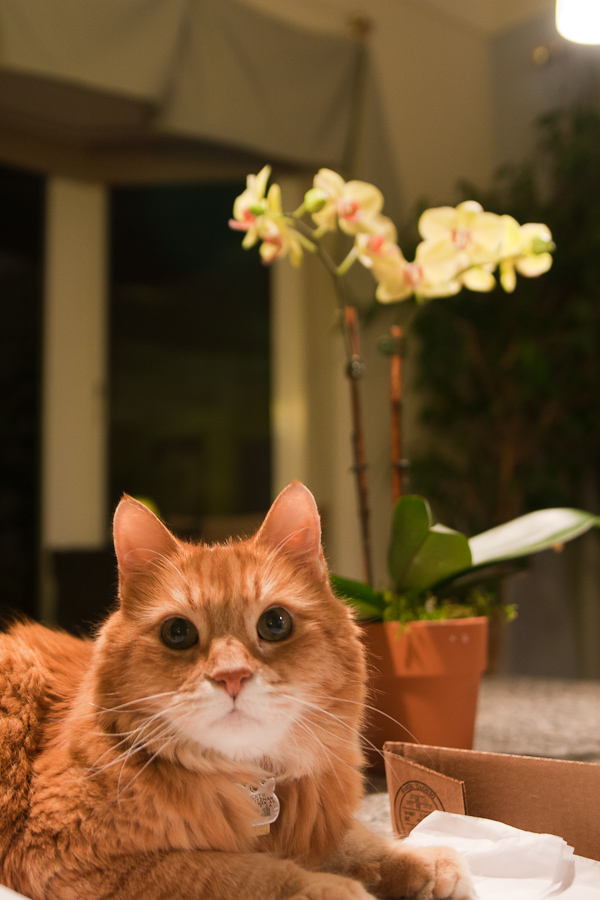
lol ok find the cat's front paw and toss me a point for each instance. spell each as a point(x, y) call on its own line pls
point(322, 886)
point(428, 873)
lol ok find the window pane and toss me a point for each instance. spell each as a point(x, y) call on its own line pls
point(189, 355)
point(21, 230)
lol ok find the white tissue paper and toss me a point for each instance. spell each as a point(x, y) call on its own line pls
point(507, 862)
point(7, 894)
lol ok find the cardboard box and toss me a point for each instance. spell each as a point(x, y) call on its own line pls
point(541, 795)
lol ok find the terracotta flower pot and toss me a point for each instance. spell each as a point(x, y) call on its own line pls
point(424, 682)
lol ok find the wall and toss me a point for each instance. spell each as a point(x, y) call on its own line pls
point(433, 83)
point(534, 70)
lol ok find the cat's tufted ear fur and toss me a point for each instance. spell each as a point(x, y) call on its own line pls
point(139, 536)
point(293, 526)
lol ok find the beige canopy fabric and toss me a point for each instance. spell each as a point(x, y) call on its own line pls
point(93, 75)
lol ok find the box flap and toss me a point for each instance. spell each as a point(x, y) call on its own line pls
point(415, 791)
point(534, 794)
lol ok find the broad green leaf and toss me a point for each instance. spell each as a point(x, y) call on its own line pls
point(370, 603)
point(529, 534)
point(477, 575)
point(411, 520)
point(442, 553)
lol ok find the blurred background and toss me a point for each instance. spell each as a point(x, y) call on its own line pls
point(144, 352)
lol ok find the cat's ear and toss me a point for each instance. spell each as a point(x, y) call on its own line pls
point(139, 536)
point(293, 526)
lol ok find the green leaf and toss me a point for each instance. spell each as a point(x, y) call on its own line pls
point(529, 534)
point(477, 575)
point(442, 553)
point(369, 603)
point(411, 520)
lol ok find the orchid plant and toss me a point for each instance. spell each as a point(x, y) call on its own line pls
point(462, 247)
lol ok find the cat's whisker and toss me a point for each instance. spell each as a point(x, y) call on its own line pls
point(125, 739)
point(363, 739)
point(140, 742)
point(374, 709)
point(160, 751)
point(111, 733)
point(96, 770)
point(126, 734)
point(347, 741)
point(126, 754)
point(130, 702)
point(328, 753)
point(320, 710)
point(128, 706)
point(157, 736)
point(354, 731)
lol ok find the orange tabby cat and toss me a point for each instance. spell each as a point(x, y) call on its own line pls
point(138, 765)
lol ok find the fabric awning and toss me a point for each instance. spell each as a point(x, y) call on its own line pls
point(164, 76)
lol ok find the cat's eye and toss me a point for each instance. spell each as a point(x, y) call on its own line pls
point(275, 624)
point(178, 633)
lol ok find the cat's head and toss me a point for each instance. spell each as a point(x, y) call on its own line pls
point(236, 650)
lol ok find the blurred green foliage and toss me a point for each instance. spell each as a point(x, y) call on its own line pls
point(510, 383)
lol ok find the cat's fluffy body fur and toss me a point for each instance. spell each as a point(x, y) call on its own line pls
point(122, 759)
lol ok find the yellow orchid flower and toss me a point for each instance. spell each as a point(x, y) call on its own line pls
point(261, 217)
point(440, 267)
point(278, 239)
point(250, 205)
point(479, 278)
point(466, 229)
point(351, 204)
point(386, 262)
point(432, 274)
point(461, 246)
point(524, 249)
point(378, 244)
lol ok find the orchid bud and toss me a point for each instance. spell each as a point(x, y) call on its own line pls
point(315, 200)
point(542, 245)
point(257, 209)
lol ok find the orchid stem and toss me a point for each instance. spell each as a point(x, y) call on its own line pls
point(354, 374)
point(347, 263)
point(399, 464)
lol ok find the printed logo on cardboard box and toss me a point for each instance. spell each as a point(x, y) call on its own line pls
point(413, 802)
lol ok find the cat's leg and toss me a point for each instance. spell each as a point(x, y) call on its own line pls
point(203, 875)
point(390, 869)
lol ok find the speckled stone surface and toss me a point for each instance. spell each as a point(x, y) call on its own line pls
point(539, 717)
point(526, 716)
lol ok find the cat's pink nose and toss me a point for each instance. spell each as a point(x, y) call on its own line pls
point(232, 680)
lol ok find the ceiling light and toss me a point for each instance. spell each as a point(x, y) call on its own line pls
point(579, 20)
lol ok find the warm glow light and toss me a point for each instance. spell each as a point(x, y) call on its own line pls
point(579, 20)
